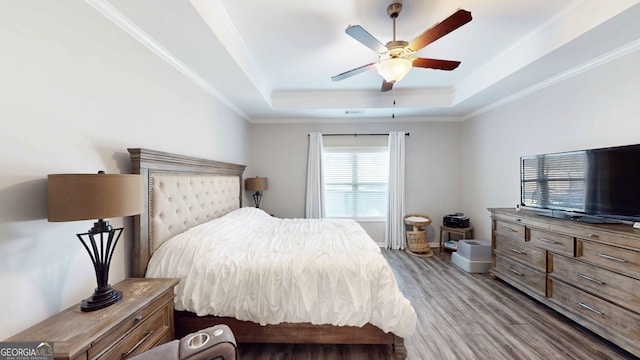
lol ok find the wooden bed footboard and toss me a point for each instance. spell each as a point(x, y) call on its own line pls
point(250, 332)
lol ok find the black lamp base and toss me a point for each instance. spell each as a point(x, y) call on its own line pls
point(101, 253)
point(256, 198)
point(100, 299)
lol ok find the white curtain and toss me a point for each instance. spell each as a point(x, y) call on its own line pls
point(394, 229)
point(314, 201)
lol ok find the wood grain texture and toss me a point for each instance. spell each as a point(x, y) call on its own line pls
point(574, 288)
point(461, 316)
point(534, 257)
point(146, 305)
point(602, 282)
point(247, 331)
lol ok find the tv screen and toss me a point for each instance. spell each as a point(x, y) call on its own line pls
point(597, 182)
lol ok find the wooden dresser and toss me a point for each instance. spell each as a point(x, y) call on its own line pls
point(588, 273)
point(138, 322)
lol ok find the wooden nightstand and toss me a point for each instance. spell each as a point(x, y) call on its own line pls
point(138, 322)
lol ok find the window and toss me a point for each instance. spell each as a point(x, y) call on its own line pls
point(356, 182)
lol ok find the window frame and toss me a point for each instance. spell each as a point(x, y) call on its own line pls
point(354, 182)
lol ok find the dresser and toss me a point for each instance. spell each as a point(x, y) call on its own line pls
point(589, 273)
point(138, 322)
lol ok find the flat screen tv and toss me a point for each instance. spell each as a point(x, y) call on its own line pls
point(596, 185)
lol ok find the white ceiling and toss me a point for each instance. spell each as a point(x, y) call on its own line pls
point(272, 61)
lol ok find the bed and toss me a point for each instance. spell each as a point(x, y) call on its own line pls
point(187, 195)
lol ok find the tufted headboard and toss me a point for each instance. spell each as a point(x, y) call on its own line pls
point(180, 192)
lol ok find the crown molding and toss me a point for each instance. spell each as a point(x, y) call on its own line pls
point(111, 13)
point(356, 120)
point(575, 71)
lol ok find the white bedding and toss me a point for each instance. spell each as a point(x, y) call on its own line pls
point(252, 266)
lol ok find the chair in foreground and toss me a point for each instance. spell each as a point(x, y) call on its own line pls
point(216, 342)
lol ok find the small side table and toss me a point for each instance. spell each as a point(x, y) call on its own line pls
point(451, 230)
point(417, 240)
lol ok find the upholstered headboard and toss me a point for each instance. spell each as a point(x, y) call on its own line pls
point(180, 192)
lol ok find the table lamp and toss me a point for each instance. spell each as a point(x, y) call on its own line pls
point(257, 184)
point(98, 196)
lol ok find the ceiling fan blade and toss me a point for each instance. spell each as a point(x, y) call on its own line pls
point(435, 64)
point(441, 29)
point(360, 34)
point(352, 72)
point(386, 86)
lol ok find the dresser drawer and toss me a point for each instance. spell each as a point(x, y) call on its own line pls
point(611, 257)
point(534, 257)
point(521, 218)
point(533, 279)
point(609, 285)
point(609, 319)
point(620, 237)
point(146, 335)
point(121, 330)
point(512, 230)
point(562, 244)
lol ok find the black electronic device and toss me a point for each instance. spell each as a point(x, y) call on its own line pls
point(595, 185)
point(457, 220)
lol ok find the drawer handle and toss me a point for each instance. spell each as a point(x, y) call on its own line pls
point(508, 228)
point(591, 279)
point(146, 336)
point(137, 319)
point(516, 272)
point(518, 220)
point(609, 257)
point(592, 235)
point(585, 306)
point(547, 240)
point(518, 251)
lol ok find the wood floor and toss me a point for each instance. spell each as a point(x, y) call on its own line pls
point(461, 316)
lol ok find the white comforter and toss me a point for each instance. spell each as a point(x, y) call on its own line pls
point(251, 266)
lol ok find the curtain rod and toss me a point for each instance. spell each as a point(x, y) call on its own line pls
point(406, 134)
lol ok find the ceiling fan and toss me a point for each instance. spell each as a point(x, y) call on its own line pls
point(396, 57)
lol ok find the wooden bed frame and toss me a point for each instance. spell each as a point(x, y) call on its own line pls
point(155, 166)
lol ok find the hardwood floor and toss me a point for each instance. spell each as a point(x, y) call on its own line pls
point(461, 316)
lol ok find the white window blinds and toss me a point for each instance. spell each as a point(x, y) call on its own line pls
point(356, 182)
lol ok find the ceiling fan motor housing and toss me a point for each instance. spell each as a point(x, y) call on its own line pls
point(394, 10)
point(399, 44)
point(397, 49)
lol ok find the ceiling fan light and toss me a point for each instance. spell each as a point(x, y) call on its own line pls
point(394, 69)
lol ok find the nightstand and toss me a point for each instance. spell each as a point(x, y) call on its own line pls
point(138, 322)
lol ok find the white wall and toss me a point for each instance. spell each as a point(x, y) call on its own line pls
point(433, 166)
point(75, 92)
point(597, 108)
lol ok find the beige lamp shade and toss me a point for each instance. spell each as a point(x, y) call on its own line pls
point(256, 184)
point(93, 196)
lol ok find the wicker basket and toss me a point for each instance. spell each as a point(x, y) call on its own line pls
point(417, 241)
